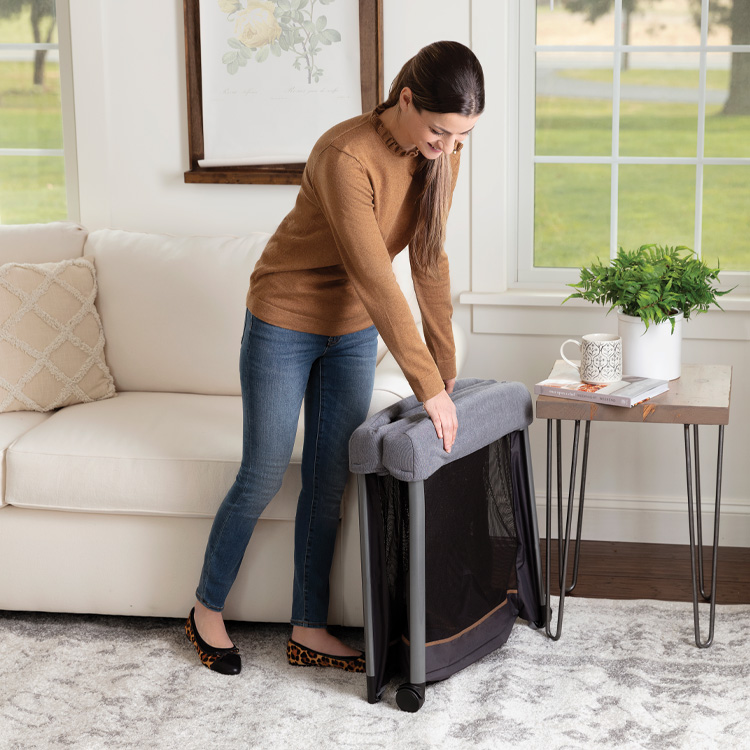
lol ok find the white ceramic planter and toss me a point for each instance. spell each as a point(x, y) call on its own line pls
point(652, 353)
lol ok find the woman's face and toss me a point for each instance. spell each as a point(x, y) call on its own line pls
point(433, 133)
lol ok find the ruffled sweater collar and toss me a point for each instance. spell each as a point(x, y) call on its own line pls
point(387, 137)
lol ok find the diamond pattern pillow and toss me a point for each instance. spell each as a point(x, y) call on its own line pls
point(51, 337)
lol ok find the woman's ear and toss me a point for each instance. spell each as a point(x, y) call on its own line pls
point(404, 98)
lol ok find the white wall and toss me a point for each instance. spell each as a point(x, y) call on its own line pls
point(129, 75)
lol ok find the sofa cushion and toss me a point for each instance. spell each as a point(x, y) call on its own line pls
point(41, 243)
point(12, 426)
point(145, 453)
point(173, 308)
point(51, 339)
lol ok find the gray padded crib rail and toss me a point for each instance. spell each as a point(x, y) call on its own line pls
point(401, 439)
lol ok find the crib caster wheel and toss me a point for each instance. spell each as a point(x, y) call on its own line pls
point(410, 697)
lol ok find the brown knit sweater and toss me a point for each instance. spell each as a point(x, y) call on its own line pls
point(327, 268)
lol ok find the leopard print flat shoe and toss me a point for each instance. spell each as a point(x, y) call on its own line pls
point(301, 656)
point(222, 660)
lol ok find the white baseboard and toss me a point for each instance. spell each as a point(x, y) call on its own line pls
point(657, 520)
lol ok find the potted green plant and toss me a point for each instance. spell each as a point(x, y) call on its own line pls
point(654, 288)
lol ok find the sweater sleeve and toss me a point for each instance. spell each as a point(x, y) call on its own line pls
point(346, 199)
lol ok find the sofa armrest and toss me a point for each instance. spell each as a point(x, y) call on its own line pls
point(41, 243)
point(462, 348)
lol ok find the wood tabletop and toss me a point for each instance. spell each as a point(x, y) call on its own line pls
point(699, 396)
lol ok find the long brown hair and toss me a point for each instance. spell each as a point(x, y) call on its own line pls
point(444, 77)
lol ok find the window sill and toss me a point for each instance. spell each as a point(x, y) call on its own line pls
point(528, 312)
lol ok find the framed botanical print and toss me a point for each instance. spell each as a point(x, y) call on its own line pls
point(266, 78)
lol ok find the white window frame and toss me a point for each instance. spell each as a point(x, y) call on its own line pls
point(525, 271)
point(503, 161)
point(69, 149)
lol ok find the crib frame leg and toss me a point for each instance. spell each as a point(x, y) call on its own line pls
point(364, 546)
point(410, 695)
point(534, 528)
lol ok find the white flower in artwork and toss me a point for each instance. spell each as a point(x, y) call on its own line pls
point(263, 27)
point(257, 26)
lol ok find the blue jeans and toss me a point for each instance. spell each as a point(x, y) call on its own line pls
point(277, 368)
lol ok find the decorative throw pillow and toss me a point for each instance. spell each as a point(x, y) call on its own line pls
point(51, 337)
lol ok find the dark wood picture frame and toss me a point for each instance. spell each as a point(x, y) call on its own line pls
point(371, 75)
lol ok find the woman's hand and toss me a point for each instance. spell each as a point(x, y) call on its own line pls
point(442, 411)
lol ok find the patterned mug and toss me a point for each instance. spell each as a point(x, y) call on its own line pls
point(601, 358)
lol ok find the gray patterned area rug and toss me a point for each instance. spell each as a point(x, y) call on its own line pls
point(625, 674)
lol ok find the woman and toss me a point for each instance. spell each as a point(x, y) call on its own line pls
point(372, 185)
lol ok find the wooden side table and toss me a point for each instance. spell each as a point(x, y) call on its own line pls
point(699, 397)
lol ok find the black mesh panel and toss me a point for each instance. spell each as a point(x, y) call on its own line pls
point(470, 541)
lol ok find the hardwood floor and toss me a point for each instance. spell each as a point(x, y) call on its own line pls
point(619, 570)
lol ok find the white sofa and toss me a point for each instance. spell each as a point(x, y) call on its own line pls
point(105, 507)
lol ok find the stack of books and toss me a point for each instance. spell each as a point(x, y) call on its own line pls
point(564, 382)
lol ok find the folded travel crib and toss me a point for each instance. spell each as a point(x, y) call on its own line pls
point(450, 545)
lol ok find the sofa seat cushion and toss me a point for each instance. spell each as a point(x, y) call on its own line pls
point(12, 426)
point(141, 453)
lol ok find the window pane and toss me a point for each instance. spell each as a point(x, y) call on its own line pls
point(32, 189)
point(18, 28)
point(659, 105)
point(656, 204)
point(728, 106)
point(574, 104)
point(563, 26)
point(659, 118)
point(662, 23)
point(30, 114)
point(572, 209)
point(726, 219)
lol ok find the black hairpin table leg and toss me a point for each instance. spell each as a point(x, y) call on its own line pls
point(696, 551)
point(563, 542)
point(581, 495)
